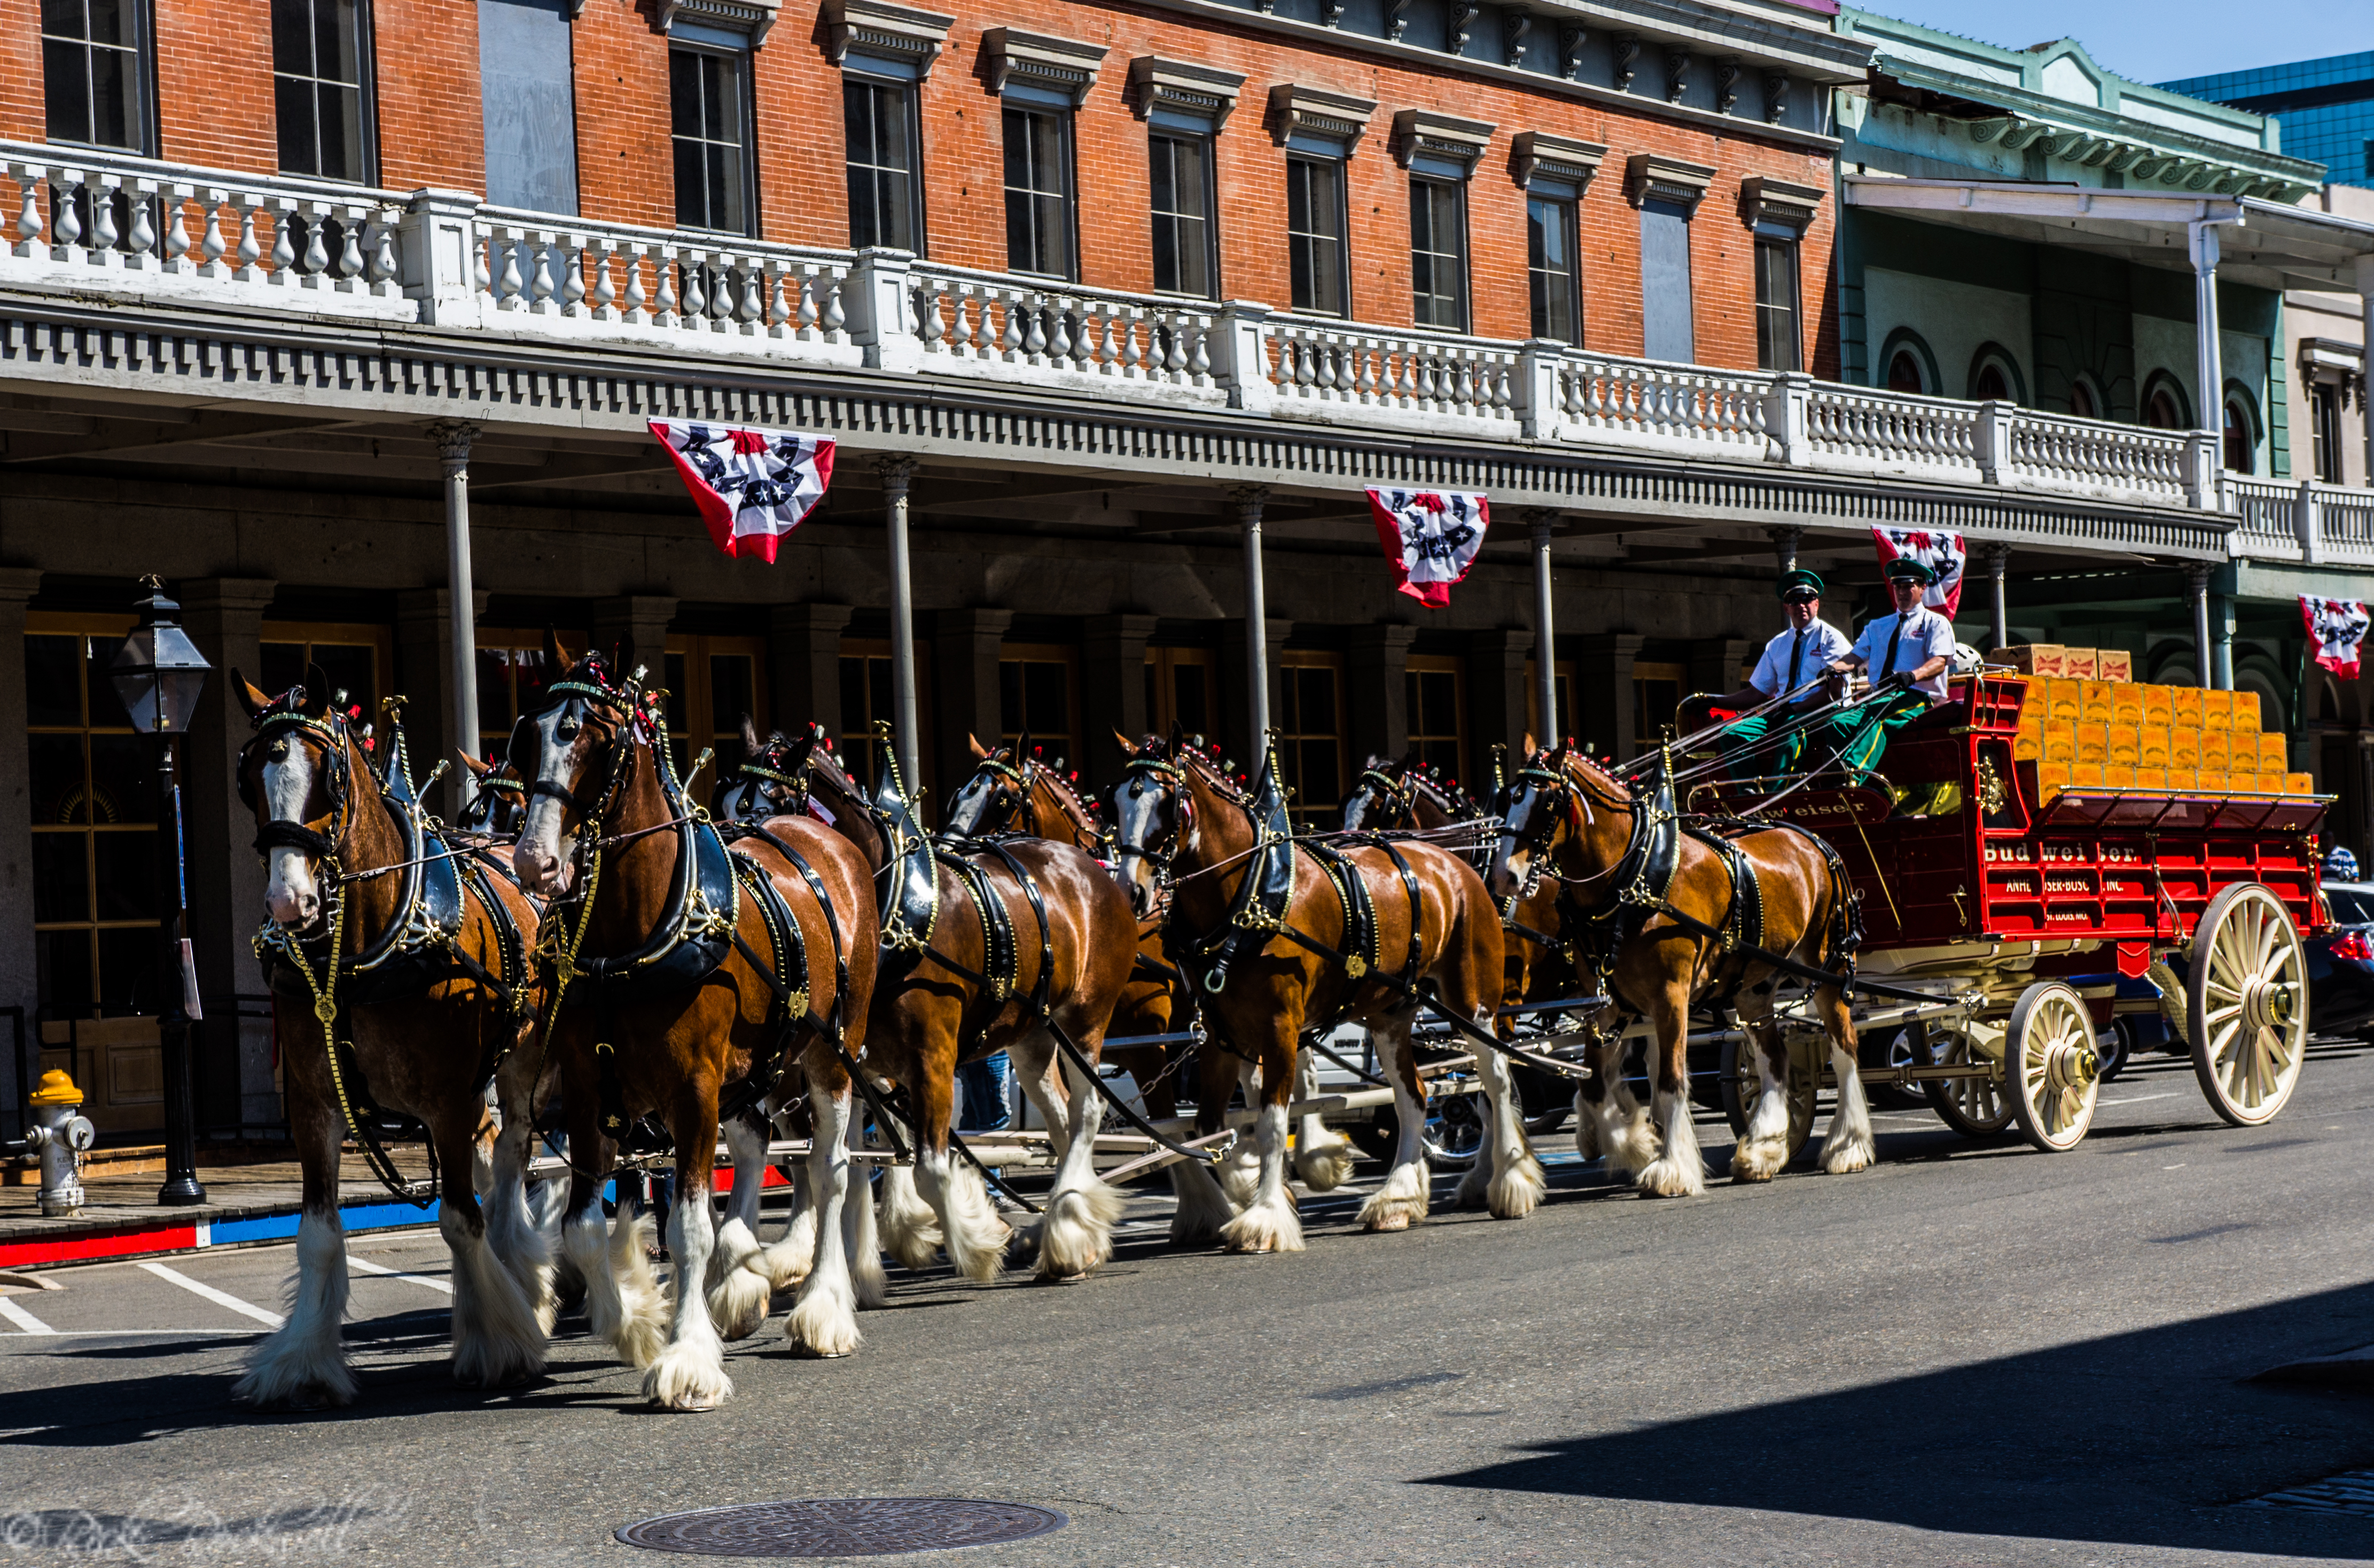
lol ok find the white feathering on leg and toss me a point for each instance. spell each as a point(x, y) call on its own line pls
point(303, 1363)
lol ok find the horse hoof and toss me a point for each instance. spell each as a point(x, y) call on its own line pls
point(1384, 1222)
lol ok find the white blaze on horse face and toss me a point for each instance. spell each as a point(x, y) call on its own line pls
point(1356, 810)
point(291, 894)
point(543, 862)
point(1133, 810)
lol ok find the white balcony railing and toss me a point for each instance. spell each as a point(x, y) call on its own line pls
point(165, 235)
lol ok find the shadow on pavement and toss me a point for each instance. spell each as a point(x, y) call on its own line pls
point(2140, 1439)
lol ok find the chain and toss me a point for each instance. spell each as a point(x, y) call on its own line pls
point(566, 953)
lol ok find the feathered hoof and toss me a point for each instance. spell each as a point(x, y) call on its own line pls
point(738, 1304)
point(1758, 1159)
point(1324, 1167)
point(1669, 1178)
point(687, 1377)
point(1265, 1227)
point(1632, 1146)
point(295, 1382)
point(1239, 1183)
point(1401, 1202)
point(1518, 1190)
point(1075, 1237)
point(490, 1362)
point(822, 1325)
point(1845, 1157)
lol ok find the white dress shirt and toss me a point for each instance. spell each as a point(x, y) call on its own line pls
point(1806, 652)
point(1927, 635)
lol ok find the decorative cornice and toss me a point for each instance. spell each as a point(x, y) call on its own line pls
point(1052, 64)
point(1186, 88)
point(876, 27)
point(1652, 175)
point(1423, 132)
point(1554, 158)
point(1763, 199)
point(1295, 109)
point(755, 17)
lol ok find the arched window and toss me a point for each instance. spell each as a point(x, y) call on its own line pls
point(1906, 365)
point(1990, 383)
point(2240, 430)
point(1994, 375)
point(2084, 401)
point(2165, 407)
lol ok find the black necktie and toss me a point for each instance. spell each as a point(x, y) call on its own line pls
point(1796, 654)
point(1888, 665)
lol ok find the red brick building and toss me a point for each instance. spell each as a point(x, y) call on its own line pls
point(1081, 290)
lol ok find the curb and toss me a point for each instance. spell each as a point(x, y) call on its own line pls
point(238, 1228)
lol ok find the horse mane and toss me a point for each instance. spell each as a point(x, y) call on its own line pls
point(1155, 748)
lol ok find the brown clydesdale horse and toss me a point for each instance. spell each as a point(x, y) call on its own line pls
point(930, 1017)
point(1180, 825)
point(350, 860)
point(1013, 791)
point(1565, 820)
point(670, 1005)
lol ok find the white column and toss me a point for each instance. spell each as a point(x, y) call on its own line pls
point(1998, 559)
point(453, 440)
point(2365, 384)
point(897, 472)
point(2209, 374)
point(1250, 499)
point(1544, 641)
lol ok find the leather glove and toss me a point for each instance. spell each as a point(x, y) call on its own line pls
point(1897, 682)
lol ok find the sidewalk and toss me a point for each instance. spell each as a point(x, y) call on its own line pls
point(245, 1203)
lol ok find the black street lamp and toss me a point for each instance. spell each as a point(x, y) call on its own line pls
point(158, 674)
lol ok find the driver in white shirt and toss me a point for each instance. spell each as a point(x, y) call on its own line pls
point(1907, 656)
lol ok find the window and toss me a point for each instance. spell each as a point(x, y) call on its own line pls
point(2083, 402)
point(1179, 691)
point(1657, 693)
point(93, 71)
point(1438, 721)
point(93, 804)
point(711, 682)
point(2164, 406)
point(318, 52)
point(1665, 325)
point(865, 696)
point(1314, 233)
point(527, 95)
point(1039, 691)
point(709, 106)
point(354, 659)
point(1904, 372)
point(1551, 269)
point(1310, 739)
point(1438, 254)
point(2324, 428)
point(1185, 258)
point(1990, 384)
point(511, 678)
point(1039, 190)
point(884, 194)
point(1778, 342)
point(2240, 435)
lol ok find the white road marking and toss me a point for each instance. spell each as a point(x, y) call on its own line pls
point(22, 1318)
point(220, 1298)
point(385, 1273)
point(2139, 1099)
point(2178, 1167)
point(134, 1334)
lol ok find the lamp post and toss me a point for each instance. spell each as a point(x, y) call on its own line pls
point(157, 675)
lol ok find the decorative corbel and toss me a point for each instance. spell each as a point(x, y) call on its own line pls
point(1776, 98)
point(1515, 23)
point(1396, 18)
point(1677, 74)
point(1627, 48)
point(1459, 22)
point(1571, 37)
point(1726, 83)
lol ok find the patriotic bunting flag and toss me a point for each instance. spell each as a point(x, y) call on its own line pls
point(752, 486)
point(1431, 537)
point(1943, 553)
point(2336, 629)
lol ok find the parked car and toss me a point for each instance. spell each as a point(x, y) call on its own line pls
point(2341, 963)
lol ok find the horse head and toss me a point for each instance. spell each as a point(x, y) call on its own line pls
point(996, 799)
point(571, 752)
point(1383, 797)
point(1560, 806)
point(500, 801)
point(297, 776)
point(1154, 818)
point(771, 781)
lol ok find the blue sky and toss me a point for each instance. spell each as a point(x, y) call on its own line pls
point(2158, 40)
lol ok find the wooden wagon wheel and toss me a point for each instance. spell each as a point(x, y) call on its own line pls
point(1975, 1108)
point(2049, 1066)
point(2247, 1012)
point(1738, 1084)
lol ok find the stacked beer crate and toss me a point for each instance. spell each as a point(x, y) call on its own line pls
point(2086, 726)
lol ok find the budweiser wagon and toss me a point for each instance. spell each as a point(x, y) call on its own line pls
point(2029, 845)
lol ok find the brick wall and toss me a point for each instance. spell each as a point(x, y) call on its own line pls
point(429, 130)
point(214, 84)
point(623, 171)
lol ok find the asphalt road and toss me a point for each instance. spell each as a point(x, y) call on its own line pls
point(1973, 1354)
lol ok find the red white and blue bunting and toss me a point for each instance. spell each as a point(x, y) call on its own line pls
point(2336, 631)
point(1431, 537)
point(752, 486)
point(1943, 553)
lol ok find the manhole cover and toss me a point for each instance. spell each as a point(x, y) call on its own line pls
point(842, 1527)
point(2350, 1492)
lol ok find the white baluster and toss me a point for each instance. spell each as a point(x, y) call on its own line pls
point(936, 323)
point(782, 285)
point(668, 301)
point(836, 319)
point(752, 306)
point(573, 255)
point(960, 331)
point(1199, 357)
point(1034, 341)
point(143, 228)
point(317, 254)
point(29, 221)
point(1013, 335)
point(249, 249)
point(694, 301)
point(810, 285)
point(481, 246)
point(511, 285)
point(65, 215)
point(284, 254)
point(1059, 337)
point(601, 253)
point(383, 261)
point(1107, 353)
point(636, 298)
point(350, 254)
point(721, 290)
point(177, 237)
point(540, 286)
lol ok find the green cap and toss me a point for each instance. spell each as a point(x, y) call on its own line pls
point(1904, 568)
point(1795, 578)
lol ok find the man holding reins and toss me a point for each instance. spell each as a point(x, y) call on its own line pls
point(1806, 647)
point(1907, 656)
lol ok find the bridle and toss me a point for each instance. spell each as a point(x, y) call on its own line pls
point(1159, 853)
point(1396, 797)
point(284, 724)
point(1006, 803)
point(1538, 839)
